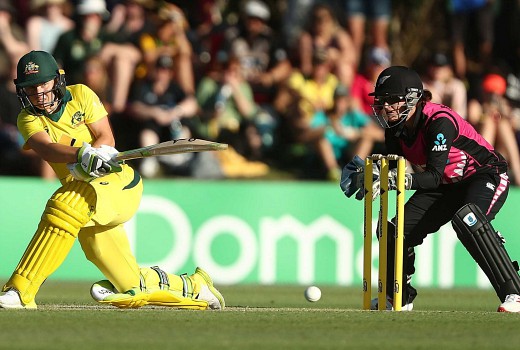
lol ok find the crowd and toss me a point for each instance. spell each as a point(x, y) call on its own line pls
point(284, 83)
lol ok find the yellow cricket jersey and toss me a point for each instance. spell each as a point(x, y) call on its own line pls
point(117, 194)
point(68, 125)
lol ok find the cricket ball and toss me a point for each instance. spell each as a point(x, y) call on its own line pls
point(312, 293)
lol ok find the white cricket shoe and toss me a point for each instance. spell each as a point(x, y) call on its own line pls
point(207, 291)
point(389, 305)
point(101, 289)
point(511, 304)
point(11, 300)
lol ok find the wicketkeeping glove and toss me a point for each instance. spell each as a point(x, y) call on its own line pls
point(392, 183)
point(353, 177)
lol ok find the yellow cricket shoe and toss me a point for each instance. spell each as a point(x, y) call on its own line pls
point(11, 300)
point(207, 291)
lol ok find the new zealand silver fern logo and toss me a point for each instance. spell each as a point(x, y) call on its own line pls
point(440, 143)
point(382, 79)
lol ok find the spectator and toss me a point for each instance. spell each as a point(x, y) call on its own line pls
point(206, 33)
point(161, 104)
point(263, 57)
point(294, 20)
point(445, 87)
point(347, 131)
point(316, 90)
point(131, 19)
point(377, 13)
point(297, 139)
point(377, 59)
point(312, 95)
point(96, 77)
point(324, 33)
point(495, 121)
point(13, 160)
point(513, 96)
point(12, 38)
point(49, 19)
point(170, 40)
point(472, 29)
point(89, 38)
point(228, 108)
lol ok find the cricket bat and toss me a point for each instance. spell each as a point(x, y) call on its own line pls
point(171, 147)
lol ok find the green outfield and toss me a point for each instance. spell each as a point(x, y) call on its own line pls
point(262, 317)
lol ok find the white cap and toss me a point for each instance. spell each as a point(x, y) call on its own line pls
point(87, 7)
point(255, 8)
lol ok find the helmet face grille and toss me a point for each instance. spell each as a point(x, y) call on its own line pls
point(25, 100)
point(397, 81)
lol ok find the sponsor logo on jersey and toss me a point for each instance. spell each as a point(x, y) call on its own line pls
point(440, 143)
point(490, 186)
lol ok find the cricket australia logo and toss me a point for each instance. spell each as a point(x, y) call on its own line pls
point(440, 143)
point(31, 68)
point(77, 119)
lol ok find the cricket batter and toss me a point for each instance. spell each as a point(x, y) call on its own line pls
point(458, 177)
point(69, 128)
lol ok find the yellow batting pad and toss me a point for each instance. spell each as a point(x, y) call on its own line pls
point(157, 298)
point(166, 298)
point(181, 286)
point(69, 209)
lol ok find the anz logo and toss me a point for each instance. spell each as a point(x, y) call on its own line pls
point(440, 143)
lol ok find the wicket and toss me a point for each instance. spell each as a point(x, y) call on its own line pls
point(382, 231)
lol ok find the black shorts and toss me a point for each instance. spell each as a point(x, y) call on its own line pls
point(427, 210)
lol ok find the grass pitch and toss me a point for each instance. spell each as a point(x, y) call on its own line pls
point(262, 317)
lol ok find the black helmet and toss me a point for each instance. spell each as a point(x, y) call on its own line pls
point(397, 81)
point(34, 68)
point(400, 82)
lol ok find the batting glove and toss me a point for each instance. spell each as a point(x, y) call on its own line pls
point(94, 162)
point(108, 154)
point(78, 173)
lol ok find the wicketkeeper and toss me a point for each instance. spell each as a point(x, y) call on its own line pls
point(68, 127)
point(458, 177)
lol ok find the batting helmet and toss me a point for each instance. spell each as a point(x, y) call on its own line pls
point(35, 68)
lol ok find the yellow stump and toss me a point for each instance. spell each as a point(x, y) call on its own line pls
point(383, 232)
point(367, 236)
point(399, 235)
